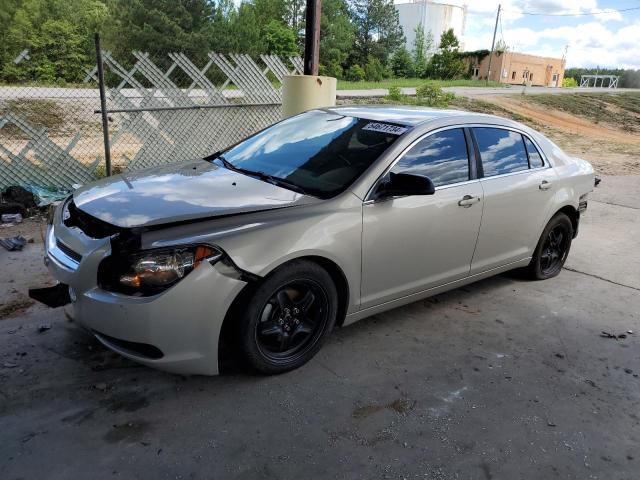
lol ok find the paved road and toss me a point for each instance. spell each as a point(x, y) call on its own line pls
point(7, 93)
point(501, 379)
point(475, 91)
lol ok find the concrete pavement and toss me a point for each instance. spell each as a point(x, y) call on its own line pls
point(504, 378)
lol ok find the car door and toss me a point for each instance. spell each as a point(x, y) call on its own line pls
point(518, 189)
point(413, 243)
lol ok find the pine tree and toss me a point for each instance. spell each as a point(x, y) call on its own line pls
point(447, 63)
point(378, 30)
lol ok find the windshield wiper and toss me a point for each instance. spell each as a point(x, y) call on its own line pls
point(280, 182)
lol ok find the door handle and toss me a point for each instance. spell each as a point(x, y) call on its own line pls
point(468, 200)
point(545, 185)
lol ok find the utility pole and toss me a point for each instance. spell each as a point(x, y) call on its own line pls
point(103, 106)
point(312, 37)
point(493, 43)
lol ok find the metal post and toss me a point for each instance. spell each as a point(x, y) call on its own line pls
point(312, 37)
point(493, 44)
point(103, 107)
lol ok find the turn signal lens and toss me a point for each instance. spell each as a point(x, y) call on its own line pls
point(203, 252)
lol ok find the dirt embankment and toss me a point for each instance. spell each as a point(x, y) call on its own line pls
point(603, 129)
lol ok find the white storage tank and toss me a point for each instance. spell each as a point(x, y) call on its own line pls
point(435, 18)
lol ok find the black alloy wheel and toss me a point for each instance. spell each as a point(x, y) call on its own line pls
point(292, 320)
point(552, 249)
point(289, 316)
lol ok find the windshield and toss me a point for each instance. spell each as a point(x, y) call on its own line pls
point(319, 153)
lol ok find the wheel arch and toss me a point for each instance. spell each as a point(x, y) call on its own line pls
point(573, 214)
point(228, 330)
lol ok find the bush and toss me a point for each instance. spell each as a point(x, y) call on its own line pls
point(401, 64)
point(355, 73)
point(332, 69)
point(569, 82)
point(373, 70)
point(394, 93)
point(433, 96)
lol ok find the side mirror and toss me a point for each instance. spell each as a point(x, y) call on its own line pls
point(403, 184)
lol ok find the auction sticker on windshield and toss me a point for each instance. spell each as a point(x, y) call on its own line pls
point(385, 128)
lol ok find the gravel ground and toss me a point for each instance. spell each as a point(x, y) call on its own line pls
point(504, 378)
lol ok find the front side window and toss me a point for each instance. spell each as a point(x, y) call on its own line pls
point(535, 159)
point(502, 151)
point(441, 156)
point(319, 153)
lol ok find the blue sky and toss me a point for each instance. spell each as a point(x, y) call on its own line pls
point(608, 40)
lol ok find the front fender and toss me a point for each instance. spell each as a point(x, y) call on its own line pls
point(258, 243)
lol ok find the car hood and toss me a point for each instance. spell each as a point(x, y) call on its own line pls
point(179, 192)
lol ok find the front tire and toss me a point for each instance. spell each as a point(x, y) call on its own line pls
point(552, 249)
point(288, 317)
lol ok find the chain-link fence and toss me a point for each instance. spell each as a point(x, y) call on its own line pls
point(49, 136)
point(53, 137)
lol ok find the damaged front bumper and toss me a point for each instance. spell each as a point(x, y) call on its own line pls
point(177, 330)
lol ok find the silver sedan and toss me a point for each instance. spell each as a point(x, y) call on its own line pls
point(316, 222)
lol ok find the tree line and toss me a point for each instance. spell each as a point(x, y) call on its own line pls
point(628, 78)
point(359, 39)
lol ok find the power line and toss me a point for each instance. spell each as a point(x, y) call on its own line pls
point(604, 12)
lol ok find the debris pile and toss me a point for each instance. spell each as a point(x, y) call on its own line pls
point(13, 243)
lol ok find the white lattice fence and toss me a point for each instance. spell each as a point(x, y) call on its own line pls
point(52, 136)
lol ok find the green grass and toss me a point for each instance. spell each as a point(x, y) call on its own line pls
point(618, 109)
point(37, 111)
point(412, 82)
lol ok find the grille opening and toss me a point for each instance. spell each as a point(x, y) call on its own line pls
point(68, 251)
point(132, 348)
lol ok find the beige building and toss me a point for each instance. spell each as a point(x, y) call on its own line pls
point(519, 68)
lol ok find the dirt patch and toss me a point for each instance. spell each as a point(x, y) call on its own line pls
point(15, 307)
point(22, 269)
point(401, 405)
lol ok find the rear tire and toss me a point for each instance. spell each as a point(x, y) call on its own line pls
point(288, 317)
point(552, 249)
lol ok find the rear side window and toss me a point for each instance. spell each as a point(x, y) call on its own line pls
point(535, 159)
point(441, 156)
point(502, 151)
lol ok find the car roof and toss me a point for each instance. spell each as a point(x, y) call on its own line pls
point(407, 115)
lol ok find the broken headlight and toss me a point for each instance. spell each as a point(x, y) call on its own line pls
point(152, 271)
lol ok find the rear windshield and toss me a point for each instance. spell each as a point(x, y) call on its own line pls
point(321, 153)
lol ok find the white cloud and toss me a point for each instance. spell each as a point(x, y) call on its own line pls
point(607, 15)
point(590, 44)
point(602, 39)
point(558, 6)
point(609, 39)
